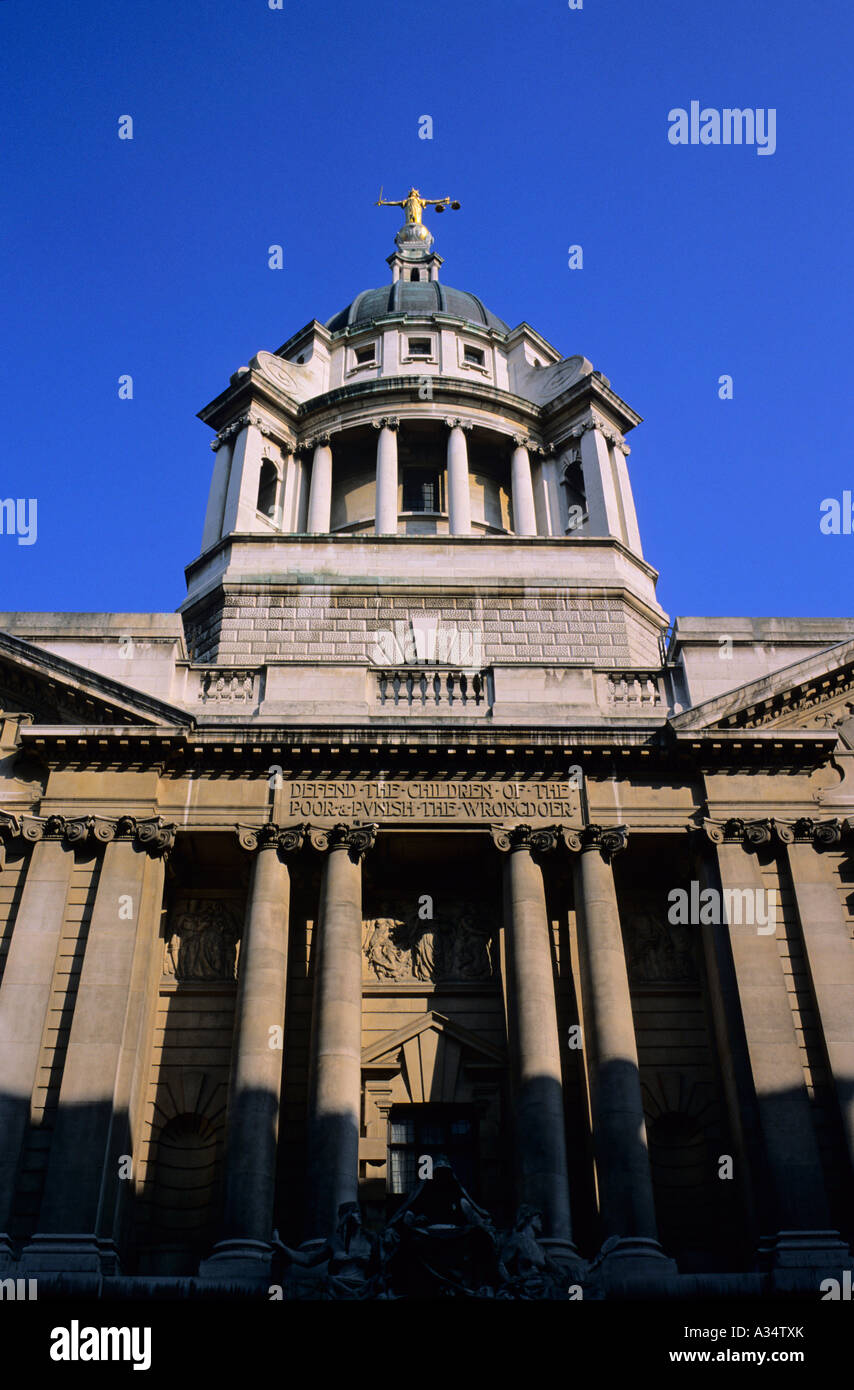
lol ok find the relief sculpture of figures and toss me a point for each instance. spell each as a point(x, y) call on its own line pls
point(456, 945)
point(202, 944)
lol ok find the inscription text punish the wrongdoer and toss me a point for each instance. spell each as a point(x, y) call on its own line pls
point(453, 801)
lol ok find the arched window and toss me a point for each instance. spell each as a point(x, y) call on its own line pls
point(416, 275)
point(268, 488)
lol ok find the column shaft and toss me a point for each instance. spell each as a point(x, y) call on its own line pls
point(775, 1060)
point(256, 1073)
point(459, 497)
point(217, 495)
point(830, 961)
point(241, 503)
point(320, 493)
point(619, 1132)
point(94, 1100)
point(24, 1000)
point(602, 507)
point(540, 1135)
point(335, 1082)
point(524, 512)
point(386, 503)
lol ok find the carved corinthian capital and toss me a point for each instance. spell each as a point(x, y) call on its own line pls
point(286, 839)
point(536, 841)
point(356, 839)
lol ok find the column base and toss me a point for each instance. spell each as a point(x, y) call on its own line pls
point(800, 1260)
point(633, 1265)
point(70, 1254)
point(564, 1254)
point(239, 1259)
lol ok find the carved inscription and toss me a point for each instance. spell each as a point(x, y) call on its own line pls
point(429, 801)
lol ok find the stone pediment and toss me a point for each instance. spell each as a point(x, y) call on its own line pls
point(420, 1040)
point(53, 690)
point(816, 693)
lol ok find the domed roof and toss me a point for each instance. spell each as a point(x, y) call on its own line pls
point(419, 298)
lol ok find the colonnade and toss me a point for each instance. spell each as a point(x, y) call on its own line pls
point(458, 492)
point(104, 1070)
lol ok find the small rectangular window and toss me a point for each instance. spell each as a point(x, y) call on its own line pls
point(473, 355)
point(420, 347)
point(365, 355)
point(420, 490)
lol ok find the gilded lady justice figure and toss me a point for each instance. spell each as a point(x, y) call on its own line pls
point(413, 205)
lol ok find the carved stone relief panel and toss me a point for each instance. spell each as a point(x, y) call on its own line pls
point(202, 939)
point(657, 951)
point(456, 944)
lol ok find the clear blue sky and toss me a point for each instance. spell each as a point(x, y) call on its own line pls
point(255, 126)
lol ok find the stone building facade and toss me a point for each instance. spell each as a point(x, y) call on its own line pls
point(418, 831)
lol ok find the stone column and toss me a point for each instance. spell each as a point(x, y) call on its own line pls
point(626, 1202)
point(827, 946)
point(385, 522)
point(218, 492)
point(540, 1127)
point(524, 512)
point(241, 501)
point(79, 1205)
point(619, 453)
point(603, 511)
point(459, 497)
point(251, 1146)
point(320, 493)
point(335, 1068)
point(794, 1170)
point(27, 985)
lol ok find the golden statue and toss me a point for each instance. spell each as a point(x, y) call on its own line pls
point(413, 205)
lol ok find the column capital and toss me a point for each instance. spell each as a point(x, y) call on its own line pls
point(152, 832)
point(592, 422)
point(386, 422)
point(10, 829)
point(356, 839)
point(808, 830)
point(315, 441)
point(286, 839)
point(735, 830)
point(250, 418)
point(524, 441)
point(536, 841)
point(608, 839)
point(455, 423)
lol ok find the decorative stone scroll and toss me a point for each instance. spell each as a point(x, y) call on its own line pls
point(538, 841)
point(357, 839)
point(608, 839)
point(808, 830)
point(286, 839)
point(738, 831)
point(152, 833)
point(456, 944)
point(202, 941)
